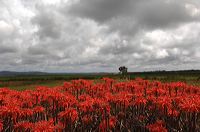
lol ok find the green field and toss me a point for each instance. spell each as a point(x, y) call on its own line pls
point(21, 82)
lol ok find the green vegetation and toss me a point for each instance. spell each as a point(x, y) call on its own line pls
point(191, 76)
point(21, 82)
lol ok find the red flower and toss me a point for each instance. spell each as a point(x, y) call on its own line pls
point(38, 109)
point(157, 127)
point(1, 125)
point(140, 101)
point(69, 114)
point(44, 126)
point(86, 106)
point(173, 113)
point(86, 119)
point(112, 122)
point(23, 126)
point(103, 126)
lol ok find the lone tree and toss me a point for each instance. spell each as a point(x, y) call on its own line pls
point(123, 70)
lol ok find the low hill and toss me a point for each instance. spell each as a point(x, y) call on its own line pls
point(14, 73)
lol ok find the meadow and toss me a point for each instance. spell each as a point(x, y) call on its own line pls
point(143, 102)
point(22, 82)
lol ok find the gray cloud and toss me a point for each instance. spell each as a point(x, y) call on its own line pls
point(100, 10)
point(99, 35)
point(129, 16)
point(47, 24)
point(7, 49)
point(158, 14)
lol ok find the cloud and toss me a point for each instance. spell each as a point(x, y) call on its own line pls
point(7, 49)
point(99, 10)
point(47, 24)
point(131, 16)
point(161, 14)
point(99, 35)
point(5, 29)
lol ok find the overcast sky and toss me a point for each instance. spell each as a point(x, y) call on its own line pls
point(99, 35)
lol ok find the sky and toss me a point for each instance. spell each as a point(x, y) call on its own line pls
point(99, 35)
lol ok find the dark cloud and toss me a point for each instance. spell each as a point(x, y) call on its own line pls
point(99, 10)
point(47, 24)
point(131, 16)
point(7, 49)
point(158, 14)
point(119, 47)
point(34, 50)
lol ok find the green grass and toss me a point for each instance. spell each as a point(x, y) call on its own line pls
point(31, 81)
point(34, 85)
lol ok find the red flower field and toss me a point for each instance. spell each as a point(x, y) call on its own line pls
point(108, 105)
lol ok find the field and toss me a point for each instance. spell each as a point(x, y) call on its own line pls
point(22, 82)
point(151, 101)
